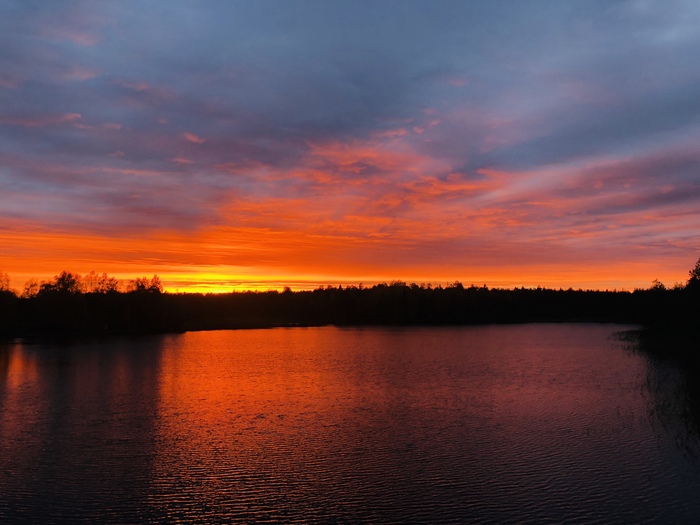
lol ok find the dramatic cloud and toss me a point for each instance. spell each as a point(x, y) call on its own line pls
point(233, 142)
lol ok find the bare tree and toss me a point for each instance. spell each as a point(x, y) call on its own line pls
point(107, 284)
point(31, 288)
point(144, 284)
point(65, 282)
point(93, 283)
point(4, 282)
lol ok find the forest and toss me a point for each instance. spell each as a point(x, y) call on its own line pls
point(71, 304)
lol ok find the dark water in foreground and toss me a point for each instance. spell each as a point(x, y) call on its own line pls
point(527, 424)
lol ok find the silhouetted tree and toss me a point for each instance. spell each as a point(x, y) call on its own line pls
point(94, 283)
point(694, 276)
point(89, 282)
point(4, 282)
point(70, 304)
point(31, 288)
point(63, 283)
point(107, 284)
point(8, 305)
point(156, 286)
point(146, 285)
point(658, 285)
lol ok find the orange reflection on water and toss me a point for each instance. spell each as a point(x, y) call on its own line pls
point(263, 425)
point(239, 379)
point(19, 370)
point(242, 417)
point(19, 375)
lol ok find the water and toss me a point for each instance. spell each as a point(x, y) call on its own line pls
point(521, 424)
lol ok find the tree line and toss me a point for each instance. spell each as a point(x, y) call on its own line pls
point(74, 283)
point(99, 304)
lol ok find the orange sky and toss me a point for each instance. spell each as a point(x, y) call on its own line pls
point(337, 222)
point(224, 148)
point(225, 259)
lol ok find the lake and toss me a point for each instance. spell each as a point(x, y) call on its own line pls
point(495, 424)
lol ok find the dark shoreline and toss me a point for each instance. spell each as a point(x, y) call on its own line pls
point(662, 313)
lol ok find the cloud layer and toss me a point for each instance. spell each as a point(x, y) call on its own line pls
point(310, 142)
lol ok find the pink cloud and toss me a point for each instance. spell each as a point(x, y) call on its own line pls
point(142, 93)
point(136, 172)
point(70, 117)
point(135, 86)
point(76, 23)
point(359, 156)
point(194, 139)
point(393, 133)
point(456, 81)
point(83, 38)
point(8, 81)
point(80, 73)
point(41, 121)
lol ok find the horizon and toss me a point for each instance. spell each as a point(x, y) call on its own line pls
point(215, 287)
point(240, 145)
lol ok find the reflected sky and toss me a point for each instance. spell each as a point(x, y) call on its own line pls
point(77, 429)
point(484, 424)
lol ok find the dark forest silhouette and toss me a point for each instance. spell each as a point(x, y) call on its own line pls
point(99, 304)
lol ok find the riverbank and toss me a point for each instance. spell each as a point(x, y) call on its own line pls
point(661, 312)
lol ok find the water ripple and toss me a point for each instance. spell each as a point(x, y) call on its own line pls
point(530, 424)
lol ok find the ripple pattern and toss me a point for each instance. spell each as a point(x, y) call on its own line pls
point(520, 424)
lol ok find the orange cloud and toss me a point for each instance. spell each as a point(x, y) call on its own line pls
point(343, 213)
point(358, 157)
point(226, 257)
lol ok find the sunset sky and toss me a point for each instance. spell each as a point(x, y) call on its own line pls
point(256, 144)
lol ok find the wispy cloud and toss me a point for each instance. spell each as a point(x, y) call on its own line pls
point(194, 139)
point(39, 120)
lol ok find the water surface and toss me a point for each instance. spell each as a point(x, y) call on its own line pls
point(531, 423)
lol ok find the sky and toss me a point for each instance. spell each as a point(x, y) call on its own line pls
point(258, 144)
